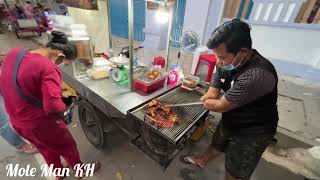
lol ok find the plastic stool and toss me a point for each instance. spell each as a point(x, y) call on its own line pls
point(209, 60)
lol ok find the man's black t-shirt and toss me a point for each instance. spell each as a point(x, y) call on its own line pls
point(251, 85)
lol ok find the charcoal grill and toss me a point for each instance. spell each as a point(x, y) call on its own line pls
point(165, 142)
point(188, 115)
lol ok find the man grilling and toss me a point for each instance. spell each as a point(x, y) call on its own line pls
point(248, 106)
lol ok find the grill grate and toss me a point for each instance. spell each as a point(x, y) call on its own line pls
point(188, 115)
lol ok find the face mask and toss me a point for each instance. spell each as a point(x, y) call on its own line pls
point(61, 65)
point(231, 66)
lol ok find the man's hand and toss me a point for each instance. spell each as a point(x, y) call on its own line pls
point(213, 93)
point(218, 105)
point(207, 96)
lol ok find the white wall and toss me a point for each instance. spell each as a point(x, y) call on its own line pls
point(317, 62)
point(289, 44)
point(298, 45)
point(97, 24)
point(213, 21)
point(196, 16)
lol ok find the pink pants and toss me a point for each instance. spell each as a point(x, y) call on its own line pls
point(52, 141)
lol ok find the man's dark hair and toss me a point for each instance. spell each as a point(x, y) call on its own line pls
point(235, 34)
point(60, 42)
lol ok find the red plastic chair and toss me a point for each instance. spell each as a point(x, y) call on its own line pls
point(208, 60)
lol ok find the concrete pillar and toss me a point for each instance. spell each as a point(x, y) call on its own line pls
point(214, 16)
point(195, 18)
point(203, 17)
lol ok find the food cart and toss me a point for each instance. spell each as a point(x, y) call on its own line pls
point(105, 103)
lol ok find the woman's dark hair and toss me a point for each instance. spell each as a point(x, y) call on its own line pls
point(60, 42)
point(234, 34)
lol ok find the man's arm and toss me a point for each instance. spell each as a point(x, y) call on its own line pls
point(250, 86)
point(218, 105)
point(212, 93)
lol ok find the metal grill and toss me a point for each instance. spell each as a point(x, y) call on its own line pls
point(188, 115)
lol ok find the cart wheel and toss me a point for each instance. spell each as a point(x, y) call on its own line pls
point(91, 124)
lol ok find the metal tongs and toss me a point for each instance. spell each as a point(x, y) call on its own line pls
point(185, 104)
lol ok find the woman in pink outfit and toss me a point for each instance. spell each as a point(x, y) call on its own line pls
point(35, 74)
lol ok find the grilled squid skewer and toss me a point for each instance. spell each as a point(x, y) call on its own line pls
point(162, 115)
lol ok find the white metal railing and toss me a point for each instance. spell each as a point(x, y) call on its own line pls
point(280, 13)
point(280, 36)
point(275, 11)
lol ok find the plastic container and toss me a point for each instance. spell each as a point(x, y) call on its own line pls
point(144, 84)
point(173, 77)
point(190, 82)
